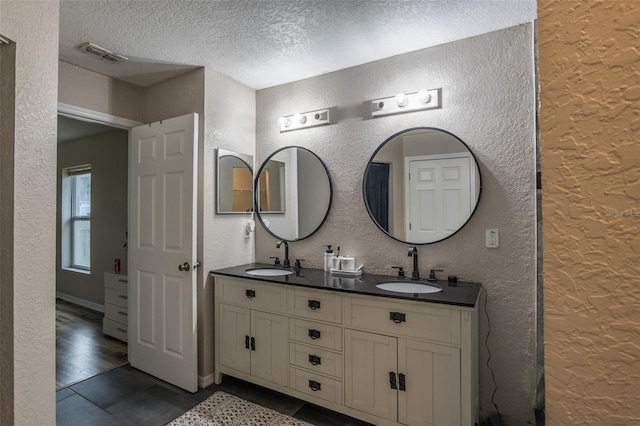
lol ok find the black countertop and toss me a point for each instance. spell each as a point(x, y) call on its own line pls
point(464, 294)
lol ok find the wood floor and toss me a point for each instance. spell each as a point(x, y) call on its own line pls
point(82, 351)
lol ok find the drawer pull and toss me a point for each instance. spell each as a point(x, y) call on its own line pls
point(246, 342)
point(121, 329)
point(122, 296)
point(397, 317)
point(253, 343)
point(123, 313)
point(250, 293)
point(314, 359)
point(401, 383)
point(314, 334)
point(315, 386)
point(314, 304)
point(392, 380)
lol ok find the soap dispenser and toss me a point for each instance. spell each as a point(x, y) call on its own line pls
point(328, 256)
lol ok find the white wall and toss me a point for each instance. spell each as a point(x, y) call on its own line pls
point(488, 101)
point(28, 166)
point(107, 153)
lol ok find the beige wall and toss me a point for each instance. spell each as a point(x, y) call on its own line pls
point(86, 89)
point(27, 163)
point(107, 153)
point(488, 101)
point(590, 109)
point(230, 123)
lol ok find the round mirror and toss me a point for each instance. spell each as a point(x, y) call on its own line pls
point(422, 185)
point(292, 193)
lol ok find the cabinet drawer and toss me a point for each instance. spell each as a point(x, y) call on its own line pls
point(114, 329)
point(253, 294)
point(315, 359)
point(412, 319)
point(116, 313)
point(316, 334)
point(316, 305)
point(316, 385)
point(117, 281)
point(116, 297)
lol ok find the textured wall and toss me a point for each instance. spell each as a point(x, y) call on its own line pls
point(27, 333)
point(108, 155)
point(590, 93)
point(230, 123)
point(87, 89)
point(488, 101)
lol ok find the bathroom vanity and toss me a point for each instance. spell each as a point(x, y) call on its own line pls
point(342, 343)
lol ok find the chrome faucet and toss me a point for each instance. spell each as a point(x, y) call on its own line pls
point(286, 262)
point(415, 275)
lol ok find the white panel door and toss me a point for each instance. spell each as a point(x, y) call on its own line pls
point(162, 250)
point(440, 197)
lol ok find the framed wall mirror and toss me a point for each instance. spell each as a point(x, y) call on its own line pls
point(422, 185)
point(234, 182)
point(293, 192)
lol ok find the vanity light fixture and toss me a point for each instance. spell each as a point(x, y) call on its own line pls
point(422, 99)
point(303, 120)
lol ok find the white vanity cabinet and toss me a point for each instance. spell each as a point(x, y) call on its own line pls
point(404, 363)
point(251, 332)
point(116, 306)
point(383, 360)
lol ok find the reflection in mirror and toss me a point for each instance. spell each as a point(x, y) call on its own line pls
point(293, 192)
point(422, 185)
point(235, 182)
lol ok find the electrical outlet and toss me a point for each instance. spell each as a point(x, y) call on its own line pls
point(493, 239)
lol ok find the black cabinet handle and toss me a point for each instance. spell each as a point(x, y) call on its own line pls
point(250, 293)
point(246, 342)
point(392, 380)
point(314, 334)
point(315, 386)
point(401, 382)
point(253, 343)
point(122, 296)
point(123, 313)
point(314, 360)
point(397, 317)
point(314, 304)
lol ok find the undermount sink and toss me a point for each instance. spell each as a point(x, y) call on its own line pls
point(269, 272)
point(408, 287)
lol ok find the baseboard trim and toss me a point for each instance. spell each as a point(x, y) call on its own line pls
point(204, 381)
point(79, 301)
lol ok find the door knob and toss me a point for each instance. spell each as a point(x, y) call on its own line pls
point(184, 267)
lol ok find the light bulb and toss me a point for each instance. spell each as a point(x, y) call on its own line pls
point(299, 118)
point(284, 121)
point(401, 99)
point(424, 96)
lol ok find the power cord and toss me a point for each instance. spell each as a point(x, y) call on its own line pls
point(486, 343)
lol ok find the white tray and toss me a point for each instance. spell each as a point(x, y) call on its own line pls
point(341, 273)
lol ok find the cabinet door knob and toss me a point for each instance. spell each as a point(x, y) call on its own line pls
point(314, 334)
point(315, 386)
point(313, 304)
point(314, 359)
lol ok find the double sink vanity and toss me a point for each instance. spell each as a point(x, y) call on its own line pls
point(387, 350)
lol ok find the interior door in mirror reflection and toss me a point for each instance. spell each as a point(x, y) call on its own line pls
point(440, 196)
point(272, 187)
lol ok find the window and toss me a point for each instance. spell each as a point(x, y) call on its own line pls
point(79, 219)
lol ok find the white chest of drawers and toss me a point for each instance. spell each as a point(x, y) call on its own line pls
point(116, 306)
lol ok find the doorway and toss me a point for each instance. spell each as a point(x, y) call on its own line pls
point(91, 236)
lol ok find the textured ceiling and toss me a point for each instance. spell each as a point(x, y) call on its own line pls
point(264, 43)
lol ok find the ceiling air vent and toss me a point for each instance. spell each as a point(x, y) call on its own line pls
point(102, 53)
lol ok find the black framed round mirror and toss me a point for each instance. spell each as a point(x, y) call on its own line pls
point(422, 185)
point(293, 193)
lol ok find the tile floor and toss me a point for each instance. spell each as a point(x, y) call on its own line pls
point(126, 396)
